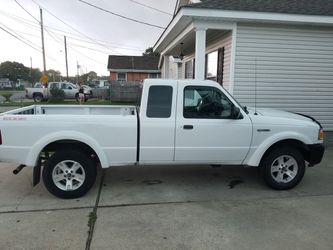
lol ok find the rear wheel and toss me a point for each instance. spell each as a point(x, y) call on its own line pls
point(69, 174)
point(38, 97)
point(283, 168)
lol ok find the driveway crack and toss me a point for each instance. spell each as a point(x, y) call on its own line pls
point(93, 214)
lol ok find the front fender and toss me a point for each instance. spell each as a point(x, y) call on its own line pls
point(256, 153)
point(65, 135)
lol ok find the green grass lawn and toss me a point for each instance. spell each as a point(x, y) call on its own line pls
point(4, 92)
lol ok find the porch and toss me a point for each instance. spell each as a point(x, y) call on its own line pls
point(204, 49)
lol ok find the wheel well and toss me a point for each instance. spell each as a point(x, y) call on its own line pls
point(37, 94)
point(71, 144)
point(303, 149)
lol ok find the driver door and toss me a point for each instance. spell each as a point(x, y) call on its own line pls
point(206, 132)
point(69, 92)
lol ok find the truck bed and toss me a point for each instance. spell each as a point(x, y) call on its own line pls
point(109, 130)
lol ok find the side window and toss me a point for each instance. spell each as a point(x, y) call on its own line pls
point(206, 103)
point(159, 102)
point(54, 85)
point(64, 86)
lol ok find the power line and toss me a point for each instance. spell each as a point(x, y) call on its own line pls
point(34, 18)
point(19, 39)
point(16, 33)
point(71, 35)
point(26, 11)
point(101, 51)
point(71, 26)
point(150, 7)
point(121, 16)
point(86, 56)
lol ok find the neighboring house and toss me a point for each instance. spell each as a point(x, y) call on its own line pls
point(133, 68)
point(277, 53)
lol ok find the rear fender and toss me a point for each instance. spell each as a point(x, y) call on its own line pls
point(33, 156)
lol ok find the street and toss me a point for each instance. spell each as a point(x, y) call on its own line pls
point(170, 207)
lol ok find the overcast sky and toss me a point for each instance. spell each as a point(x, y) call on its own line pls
point(94, 34)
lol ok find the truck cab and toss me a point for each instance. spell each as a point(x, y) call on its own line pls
point(193, 123)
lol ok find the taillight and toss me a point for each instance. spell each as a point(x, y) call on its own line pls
point(321, 135)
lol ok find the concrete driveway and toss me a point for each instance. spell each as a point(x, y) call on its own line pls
point(171, 207)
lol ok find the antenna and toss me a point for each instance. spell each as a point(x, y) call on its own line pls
point(255, 86)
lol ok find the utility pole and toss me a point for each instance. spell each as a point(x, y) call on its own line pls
point(31, 71)
point(77, 68)
point(66, 57)
point(43, 47)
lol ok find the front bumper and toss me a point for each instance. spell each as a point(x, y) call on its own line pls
point(316, 153)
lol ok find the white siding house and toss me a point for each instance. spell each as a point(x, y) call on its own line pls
point(277, 55)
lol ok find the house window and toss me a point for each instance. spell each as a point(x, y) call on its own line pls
point(152, 75)
point(121, 76)
point(211, 66)
point(189, 72)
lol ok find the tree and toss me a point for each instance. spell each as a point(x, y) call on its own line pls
point(14, 71)
point(36, 74)
point(54, 75)
point(92, 75)
point(150, 52)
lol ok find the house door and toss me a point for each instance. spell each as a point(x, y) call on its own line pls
point(220, 65)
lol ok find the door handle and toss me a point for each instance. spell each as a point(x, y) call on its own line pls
point(188, 127)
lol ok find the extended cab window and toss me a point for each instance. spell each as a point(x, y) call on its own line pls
point(206, 102)
point(159, 102)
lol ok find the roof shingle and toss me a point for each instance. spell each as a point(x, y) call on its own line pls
point(133, 62)
point(303, 7)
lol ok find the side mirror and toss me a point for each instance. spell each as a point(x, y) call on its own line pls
point(235, 113)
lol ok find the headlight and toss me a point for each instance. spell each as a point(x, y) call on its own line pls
point(321, 135)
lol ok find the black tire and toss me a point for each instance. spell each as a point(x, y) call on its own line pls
point(279, 175)
point(38, 97)
point(64, 159)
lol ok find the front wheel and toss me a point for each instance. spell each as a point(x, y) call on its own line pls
point(283, 168)
point(69, 174)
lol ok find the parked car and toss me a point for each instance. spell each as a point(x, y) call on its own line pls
point(87, 91)
point(38, 85)
point(178, 122)
point(41, 93)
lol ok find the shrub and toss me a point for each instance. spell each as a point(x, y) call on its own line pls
point(7, 96)
point(56, 95)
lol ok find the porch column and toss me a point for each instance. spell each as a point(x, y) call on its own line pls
point(166, 67)
point(200, 53)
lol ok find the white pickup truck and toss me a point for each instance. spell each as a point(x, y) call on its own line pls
point(40, 93)
point(178, 122)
